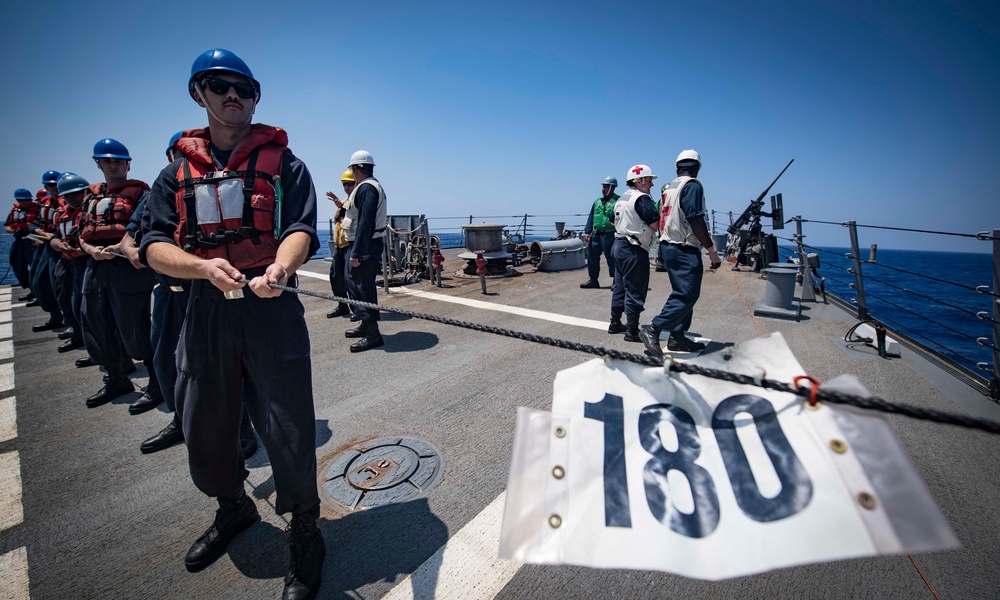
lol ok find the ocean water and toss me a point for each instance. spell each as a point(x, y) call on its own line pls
point(923, 305)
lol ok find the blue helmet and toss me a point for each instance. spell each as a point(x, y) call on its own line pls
point(50, 177)
point(173, 138)
point(21, 194)
point(220, 59)
point(109, 148)
point(71, 182)
point(612, 181)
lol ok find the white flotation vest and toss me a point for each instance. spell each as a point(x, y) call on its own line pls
point(628, 225)
point(674, 226)
point(352, 213)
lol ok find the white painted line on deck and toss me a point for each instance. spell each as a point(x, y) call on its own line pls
point(513, 310)
point(14, 574)
point(5, 315)
point(466, 567)
point(6, 377)
point(6, 331)
point(6, 349)
point(8, 419)
point(11, 510)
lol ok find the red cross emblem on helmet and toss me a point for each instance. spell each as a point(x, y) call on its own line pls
point(637, 170)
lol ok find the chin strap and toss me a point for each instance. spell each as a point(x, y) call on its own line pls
point(221, 121)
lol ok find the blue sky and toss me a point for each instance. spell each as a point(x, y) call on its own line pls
point(518, 107)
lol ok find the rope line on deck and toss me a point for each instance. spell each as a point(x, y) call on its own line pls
point(835, 397)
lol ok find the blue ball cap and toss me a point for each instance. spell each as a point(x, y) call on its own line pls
point(50, 177)
point(220, 59)
point(23, 194)
point(111, 148)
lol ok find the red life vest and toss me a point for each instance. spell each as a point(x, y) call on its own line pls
point(46, 210)
point(22, 215)
point(230, 214)
point(107, 211)
point(67, 223)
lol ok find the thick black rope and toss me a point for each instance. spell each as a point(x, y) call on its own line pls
point(872, 403)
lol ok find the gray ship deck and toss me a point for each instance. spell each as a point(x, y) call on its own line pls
point(102, 520)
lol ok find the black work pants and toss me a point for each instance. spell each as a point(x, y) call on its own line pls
point(62, 274)
point(21, 254)
point(169, 307)
point(339, 265)
point(631, 279)
point(78, 267)
point(115, 311)
point(260, 346)
point(41, 282)
point(600, 243)
point(361, 281)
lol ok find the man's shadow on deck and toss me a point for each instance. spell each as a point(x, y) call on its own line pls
point(264, 490)
point(382, 544)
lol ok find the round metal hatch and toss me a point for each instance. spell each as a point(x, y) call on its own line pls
point(378, 472)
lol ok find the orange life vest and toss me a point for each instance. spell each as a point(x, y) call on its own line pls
point(67, 222)
point(46, 210)
point(21, 216)
point(230, 214)
point(107, 212)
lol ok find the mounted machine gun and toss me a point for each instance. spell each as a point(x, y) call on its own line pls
point(749, 244)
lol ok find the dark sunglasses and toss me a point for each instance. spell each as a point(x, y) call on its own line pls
point(348, 183)
point(221, 86)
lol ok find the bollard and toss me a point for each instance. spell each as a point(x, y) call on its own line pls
point(871, 253)
point(481, 269)
point(438, 265)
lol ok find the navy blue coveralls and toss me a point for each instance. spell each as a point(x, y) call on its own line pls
point(115, 311)
point(684, 268)
point(600, 243)
point(628, 294)
point(253, 350)
point(361, 279)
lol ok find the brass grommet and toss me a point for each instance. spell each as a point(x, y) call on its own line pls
point(867, 500)
point(558, 472)
point(555, 521)
point(812, 406)
point(838, 446)
point(560, 431)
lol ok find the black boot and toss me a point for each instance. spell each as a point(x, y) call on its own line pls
point(357, 332)
point(66, 335)
point(168, 436)
point(305, 565)
point(69, 345)
point(650, 335)
point(83, 363)
point(234, 516)
point(248, 441)
point(632, 328)
point(678, 342)
point(616, 324)
point(49, 325)
point(27, 298)
point(152, 397)
point(372, 339)
point(115, 385)
point(590, 284)
point(342, 311)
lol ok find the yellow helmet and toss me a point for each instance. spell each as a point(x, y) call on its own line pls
point(347, 176)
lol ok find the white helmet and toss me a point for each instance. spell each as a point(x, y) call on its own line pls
point(687, 155)
point(362, 157)
point(639, 171)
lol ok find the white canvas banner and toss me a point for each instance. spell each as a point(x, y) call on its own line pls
point(637, 467)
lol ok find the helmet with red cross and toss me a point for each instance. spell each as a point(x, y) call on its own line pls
point(638, 171)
